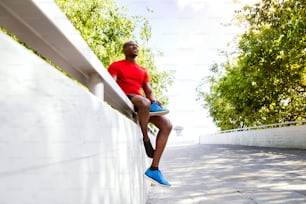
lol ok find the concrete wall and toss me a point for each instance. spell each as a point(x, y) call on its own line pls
point(284, 137)
point(59, 144)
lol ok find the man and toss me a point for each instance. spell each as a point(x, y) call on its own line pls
point(134, 80)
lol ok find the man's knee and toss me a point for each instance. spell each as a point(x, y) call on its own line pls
point(145, 103)
point(167, 125)
point(141, 102)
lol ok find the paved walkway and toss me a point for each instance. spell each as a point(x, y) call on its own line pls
point(220, 174)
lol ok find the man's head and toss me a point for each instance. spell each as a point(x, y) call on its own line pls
point(130, 49)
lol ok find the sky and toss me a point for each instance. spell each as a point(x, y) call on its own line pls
point(191, 34)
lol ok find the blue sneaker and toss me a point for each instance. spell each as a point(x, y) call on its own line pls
point(156, 177)
point(156, 109)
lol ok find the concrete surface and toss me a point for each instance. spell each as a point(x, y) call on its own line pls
point(218, 174)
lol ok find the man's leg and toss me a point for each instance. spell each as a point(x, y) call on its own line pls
point(164, 125)
point(142, 106)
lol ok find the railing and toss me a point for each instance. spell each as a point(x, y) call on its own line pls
point(44, 28)
point(278, 135)
point(275, 125)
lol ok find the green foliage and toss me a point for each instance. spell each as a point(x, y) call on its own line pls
point(105, 27)
point(101, 25)
point(264, 82)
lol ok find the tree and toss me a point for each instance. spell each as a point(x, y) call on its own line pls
point(105, 28)
point(264, 81)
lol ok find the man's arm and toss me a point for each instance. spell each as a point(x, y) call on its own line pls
point(148, 91)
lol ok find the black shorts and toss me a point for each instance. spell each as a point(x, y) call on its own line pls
point(130, 96)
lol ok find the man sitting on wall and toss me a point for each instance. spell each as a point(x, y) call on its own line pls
point(133, 79)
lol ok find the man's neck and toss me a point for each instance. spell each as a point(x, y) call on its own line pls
point(131, 59)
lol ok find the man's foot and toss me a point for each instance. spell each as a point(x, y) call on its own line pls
point(156, 109)
point(156, 177)
point(149, 149)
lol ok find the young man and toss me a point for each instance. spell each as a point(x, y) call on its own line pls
point(134, 80)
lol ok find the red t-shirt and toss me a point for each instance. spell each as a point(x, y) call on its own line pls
point(130, 76)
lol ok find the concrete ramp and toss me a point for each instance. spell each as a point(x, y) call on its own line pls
point(219, 174)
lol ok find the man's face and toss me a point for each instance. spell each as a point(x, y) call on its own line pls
point(131, 49)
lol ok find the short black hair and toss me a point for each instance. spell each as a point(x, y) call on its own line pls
point(126, 43)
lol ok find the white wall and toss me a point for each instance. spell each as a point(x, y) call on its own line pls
point(284, 137)
point(59, 144)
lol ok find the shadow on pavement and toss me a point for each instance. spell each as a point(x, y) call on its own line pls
point(231, 174)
